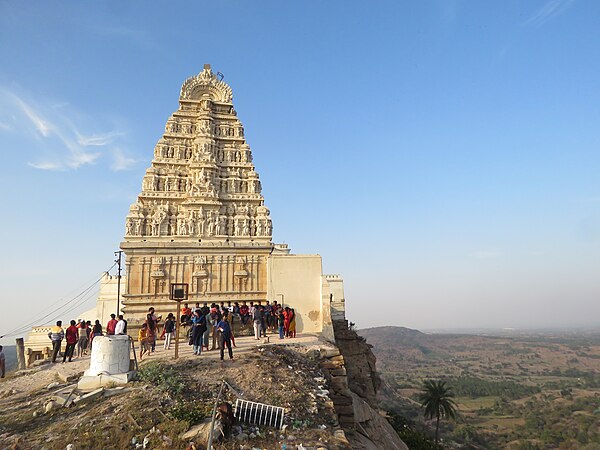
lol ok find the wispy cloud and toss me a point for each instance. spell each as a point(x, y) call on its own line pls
point(5, 126)
point(484, 254)
point(61, 139)
point(46, 166)
point(42, 125)
point(550, 10)
point(121, 161)
point(98, 140)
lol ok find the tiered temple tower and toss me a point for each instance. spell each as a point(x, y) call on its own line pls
point(200, 218)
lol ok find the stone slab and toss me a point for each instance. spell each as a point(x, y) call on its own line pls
point(88, 383)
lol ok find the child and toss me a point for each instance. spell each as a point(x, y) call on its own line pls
point(143, 340)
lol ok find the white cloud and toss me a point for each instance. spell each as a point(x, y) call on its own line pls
point(42, 125)
point(64, 139)
point(46, 165)
point(80, 158)
point(98, 140)
point(5, 126)
point(550, 10)
point(121, 161)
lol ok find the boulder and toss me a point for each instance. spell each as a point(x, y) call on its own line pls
point(200, 433)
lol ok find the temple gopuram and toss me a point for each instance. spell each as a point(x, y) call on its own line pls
point(201, 219)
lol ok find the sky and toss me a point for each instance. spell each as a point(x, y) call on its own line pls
point(442, 156)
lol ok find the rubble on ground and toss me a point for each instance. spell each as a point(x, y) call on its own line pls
point(173, 413)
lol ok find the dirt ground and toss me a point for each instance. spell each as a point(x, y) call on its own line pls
point(171, 396)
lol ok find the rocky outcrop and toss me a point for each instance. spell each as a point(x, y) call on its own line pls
point(353, 385)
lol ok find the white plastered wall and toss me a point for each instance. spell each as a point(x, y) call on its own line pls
point(296, 280)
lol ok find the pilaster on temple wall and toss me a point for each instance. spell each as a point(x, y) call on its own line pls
point(220, 275)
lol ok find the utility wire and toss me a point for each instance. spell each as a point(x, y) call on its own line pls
point(28, 325)
point(42, 318)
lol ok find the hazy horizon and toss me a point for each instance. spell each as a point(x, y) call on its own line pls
point(442, 156)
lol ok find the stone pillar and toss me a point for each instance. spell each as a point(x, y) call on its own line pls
point(110, 355)
point(20, 354)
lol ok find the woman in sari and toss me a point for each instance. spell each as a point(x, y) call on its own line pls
point(286, 321)
point(292, 327)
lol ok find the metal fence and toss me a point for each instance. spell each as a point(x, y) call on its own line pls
point(258, 413)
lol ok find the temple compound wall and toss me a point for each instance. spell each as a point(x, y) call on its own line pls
point(201, 219)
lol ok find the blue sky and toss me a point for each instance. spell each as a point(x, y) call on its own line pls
point(443, 156)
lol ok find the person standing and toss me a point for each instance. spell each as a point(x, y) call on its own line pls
point(228, 317)
point(96, 331)
point(82, 342)
point(72, 337)
point(206, 334)
point(263, 321)
point(56, 336)
point(2, 362)
point(276, 308)
point(287, 314)
point(169, 329)
point(225, 338)
point(257, 319)
point(292, 327)
point(215, 318)
point(111, 325)
point(121, 327)
point(268, 322)
point(90, 335)
point(152, 322)
point(143, 339)
point(281, 319)
point(198, 329)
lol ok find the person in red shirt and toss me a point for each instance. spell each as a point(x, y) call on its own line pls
point(111, 325)
point(186, 313)
point(72, 336)
point(244, 313)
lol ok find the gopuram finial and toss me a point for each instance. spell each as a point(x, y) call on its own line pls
point(206, 82)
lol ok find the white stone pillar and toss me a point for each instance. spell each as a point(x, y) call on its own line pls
point(110, 355)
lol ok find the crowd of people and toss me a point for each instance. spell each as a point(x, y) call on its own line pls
point(81, 334)
point(200, 324)
point(270, 317)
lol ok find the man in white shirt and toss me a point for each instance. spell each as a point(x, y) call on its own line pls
point(121, 324)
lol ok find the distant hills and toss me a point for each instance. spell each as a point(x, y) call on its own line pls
point(390, 331)
point(10, 351)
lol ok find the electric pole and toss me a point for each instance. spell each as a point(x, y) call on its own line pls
point(118, 261)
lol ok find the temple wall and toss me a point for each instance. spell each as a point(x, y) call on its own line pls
point(295, 281)
point(212, 276)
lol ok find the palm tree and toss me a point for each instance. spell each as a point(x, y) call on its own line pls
point(436, 398)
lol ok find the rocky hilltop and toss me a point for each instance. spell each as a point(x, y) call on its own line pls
point(328, 392)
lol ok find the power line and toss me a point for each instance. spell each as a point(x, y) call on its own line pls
point(28, 325)
point(42, 319)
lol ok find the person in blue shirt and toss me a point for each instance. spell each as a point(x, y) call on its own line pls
point(198, 329)
point(225, 338)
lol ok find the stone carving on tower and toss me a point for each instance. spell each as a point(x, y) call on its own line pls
point(202, 183)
